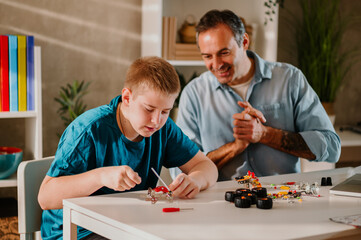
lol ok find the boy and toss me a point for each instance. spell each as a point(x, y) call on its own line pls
point(112, 148)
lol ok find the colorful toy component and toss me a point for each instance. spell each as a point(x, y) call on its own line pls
point(252, 192)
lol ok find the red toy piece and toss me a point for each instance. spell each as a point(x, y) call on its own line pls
point(161, 189)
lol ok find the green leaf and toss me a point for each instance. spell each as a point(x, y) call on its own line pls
point(70, 100)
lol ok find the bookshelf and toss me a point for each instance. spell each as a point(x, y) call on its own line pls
point(33, 122)
point(253, 12)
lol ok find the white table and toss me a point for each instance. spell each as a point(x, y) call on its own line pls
point(127, 216)
point(348, 138)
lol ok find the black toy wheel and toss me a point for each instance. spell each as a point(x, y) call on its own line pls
point(264, 203)
point(242, 202)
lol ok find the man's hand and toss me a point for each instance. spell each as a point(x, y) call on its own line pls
point(238, 147)
point(251, 112)
point(119, 178)
point(184, 186)
point(247, 124)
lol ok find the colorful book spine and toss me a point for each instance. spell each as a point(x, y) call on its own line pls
point(4, 73)
point(13, 73)
point(30, 100)
point(22, 72)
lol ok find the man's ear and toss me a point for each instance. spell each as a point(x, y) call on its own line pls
point(245, 42)
point(126, 96)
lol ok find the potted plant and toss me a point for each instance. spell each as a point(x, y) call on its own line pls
point(321, 56)
point(71, 101)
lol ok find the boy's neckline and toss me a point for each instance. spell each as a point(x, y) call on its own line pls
point(123, 125)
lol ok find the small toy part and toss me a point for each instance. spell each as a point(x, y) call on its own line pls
point(329, 181)
point(229, 196)
point(326, 181)
point(173, 209)
point(249, 180)
point(251, 193)
point(160, 179)
point(153, 196)
point(252, 197)
point(264, 203)
point(241, 191)
point(323, 181)
point(242, 202)
point(260, 192)
point(169, 196)
point(161, 189)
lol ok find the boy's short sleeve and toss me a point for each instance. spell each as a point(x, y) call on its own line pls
point(180, 149)
point(73, 154)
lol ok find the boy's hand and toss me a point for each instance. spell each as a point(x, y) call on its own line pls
point(184, 186)
point(120, 178)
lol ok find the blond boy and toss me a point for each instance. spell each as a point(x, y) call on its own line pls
point(112, 148)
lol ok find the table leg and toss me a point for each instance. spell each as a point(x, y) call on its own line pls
point(69, 228)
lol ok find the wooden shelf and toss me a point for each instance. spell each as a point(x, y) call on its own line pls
point(27, 114)
point(9, 182)
point(186, 63)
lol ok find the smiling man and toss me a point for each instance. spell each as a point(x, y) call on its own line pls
point(221, 111)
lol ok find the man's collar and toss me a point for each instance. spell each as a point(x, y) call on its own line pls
point(262, 69)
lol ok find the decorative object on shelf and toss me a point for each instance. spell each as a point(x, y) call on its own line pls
point(322, 57)
point(187, 32)
point(10, 158)
point(188, 50)
point(173, 50)
point(71, 101)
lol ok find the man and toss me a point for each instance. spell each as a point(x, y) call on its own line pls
point(221, 111)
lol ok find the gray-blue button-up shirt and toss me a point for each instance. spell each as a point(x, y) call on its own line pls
point(281, 92)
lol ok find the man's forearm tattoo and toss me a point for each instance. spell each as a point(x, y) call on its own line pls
point(294, 144)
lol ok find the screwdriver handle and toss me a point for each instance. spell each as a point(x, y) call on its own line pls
point(173, 209)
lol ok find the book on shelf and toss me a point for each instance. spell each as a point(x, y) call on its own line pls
point(165, 34)
point(172, 37)
point(22, 72)
point(13, 73)
point(30, 91)
point(4, 73)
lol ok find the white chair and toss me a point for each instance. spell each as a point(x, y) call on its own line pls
point(30, 176)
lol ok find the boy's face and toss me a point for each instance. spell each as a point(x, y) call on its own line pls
point(148, 111)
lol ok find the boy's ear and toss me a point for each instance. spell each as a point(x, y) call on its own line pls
point(126, 95)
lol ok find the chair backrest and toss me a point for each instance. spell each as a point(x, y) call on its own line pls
point(30, 176)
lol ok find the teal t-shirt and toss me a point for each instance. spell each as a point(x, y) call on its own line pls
point(94, 140)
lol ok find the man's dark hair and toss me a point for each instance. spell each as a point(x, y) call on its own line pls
point(215, 17)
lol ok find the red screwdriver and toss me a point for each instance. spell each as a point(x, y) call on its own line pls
point(173, 209)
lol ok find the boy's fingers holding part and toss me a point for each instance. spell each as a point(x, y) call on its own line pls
point(176, 182)
point(133, 176)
